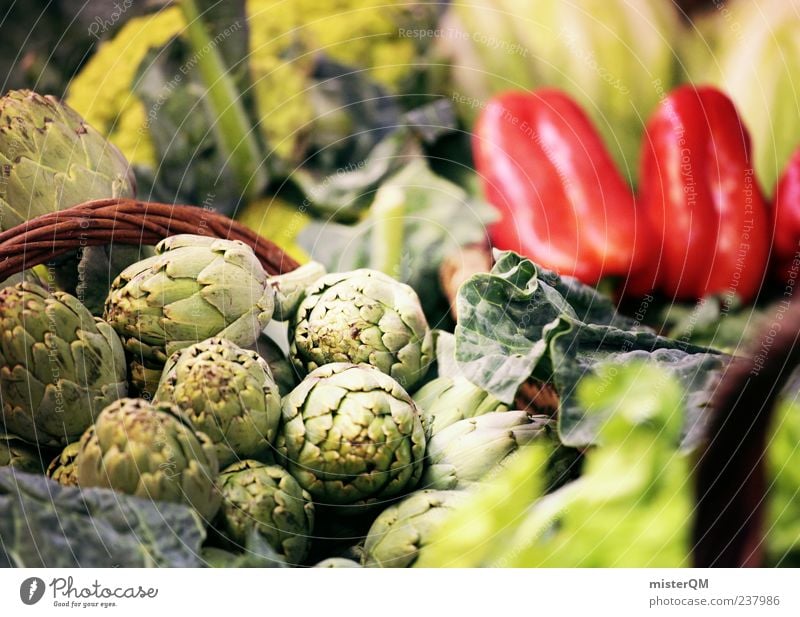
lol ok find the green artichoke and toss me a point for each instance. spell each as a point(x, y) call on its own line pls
point(59, 366)
point(195, 287)
point(228, 393)
point(337, 562)
point(363, 316)
point(401, 530)
point(446, 400)
point(150, 450)
point(62, 467)
point(351, 435)
point(52, 159)
point(19, 455)
point(266, 498)
point(465, 452)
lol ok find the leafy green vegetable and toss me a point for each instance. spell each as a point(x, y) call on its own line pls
point(713, 322)
point(46, 525)
point(343, 191)
point(631, 507)
point(782, 525)
point(521, 320)
point(577, 350)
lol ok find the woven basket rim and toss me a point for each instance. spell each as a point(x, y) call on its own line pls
point(124, 221)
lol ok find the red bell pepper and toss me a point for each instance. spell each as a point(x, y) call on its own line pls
point(786, 209)
point(561, 200)
point(698, 190)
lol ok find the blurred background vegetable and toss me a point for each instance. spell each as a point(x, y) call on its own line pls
point(615, 58)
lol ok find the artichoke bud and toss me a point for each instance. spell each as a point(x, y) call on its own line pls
point(474, 449)
point(59, 366)
point(19, 455)
point(337, 562)
point(268, 500)
point(226, 392)
point(62, 467)
point(446, 400)
point(193, 288)
point(151, 451)
point(401, 530)
point(351, 435)
point(366, 317)
point(52, 159)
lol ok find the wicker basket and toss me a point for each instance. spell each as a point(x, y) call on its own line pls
point(123, 221)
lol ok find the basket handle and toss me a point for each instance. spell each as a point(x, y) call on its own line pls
point(124, 221)
point(731, 481)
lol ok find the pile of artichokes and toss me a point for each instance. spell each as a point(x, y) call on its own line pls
point(341, 448)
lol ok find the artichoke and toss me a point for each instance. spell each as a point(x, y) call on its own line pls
point(351, 435)
point(363, 316)
point(62, 467)
point(401, 530)
point(150, 450)
point(195, 287)
point(465, 452)
point(228, 393)
point(267, 499)
point(52, 159)
point(59, 366)
point(446, 400)
point(337, 562)
point(19, 455)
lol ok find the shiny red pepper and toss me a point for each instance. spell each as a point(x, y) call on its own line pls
point(561, 200)
point(703, 202)
point(786, 242)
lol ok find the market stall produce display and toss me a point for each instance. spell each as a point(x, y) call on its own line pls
point(480, 285)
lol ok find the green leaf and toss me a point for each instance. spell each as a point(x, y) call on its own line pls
point(343, 190)
point(783, 468)
point(503, 317)
point(46, 525)
point(578, 350)
point(520, 320)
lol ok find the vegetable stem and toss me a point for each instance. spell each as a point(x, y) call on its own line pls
point(387, 235)
point(234, 128)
